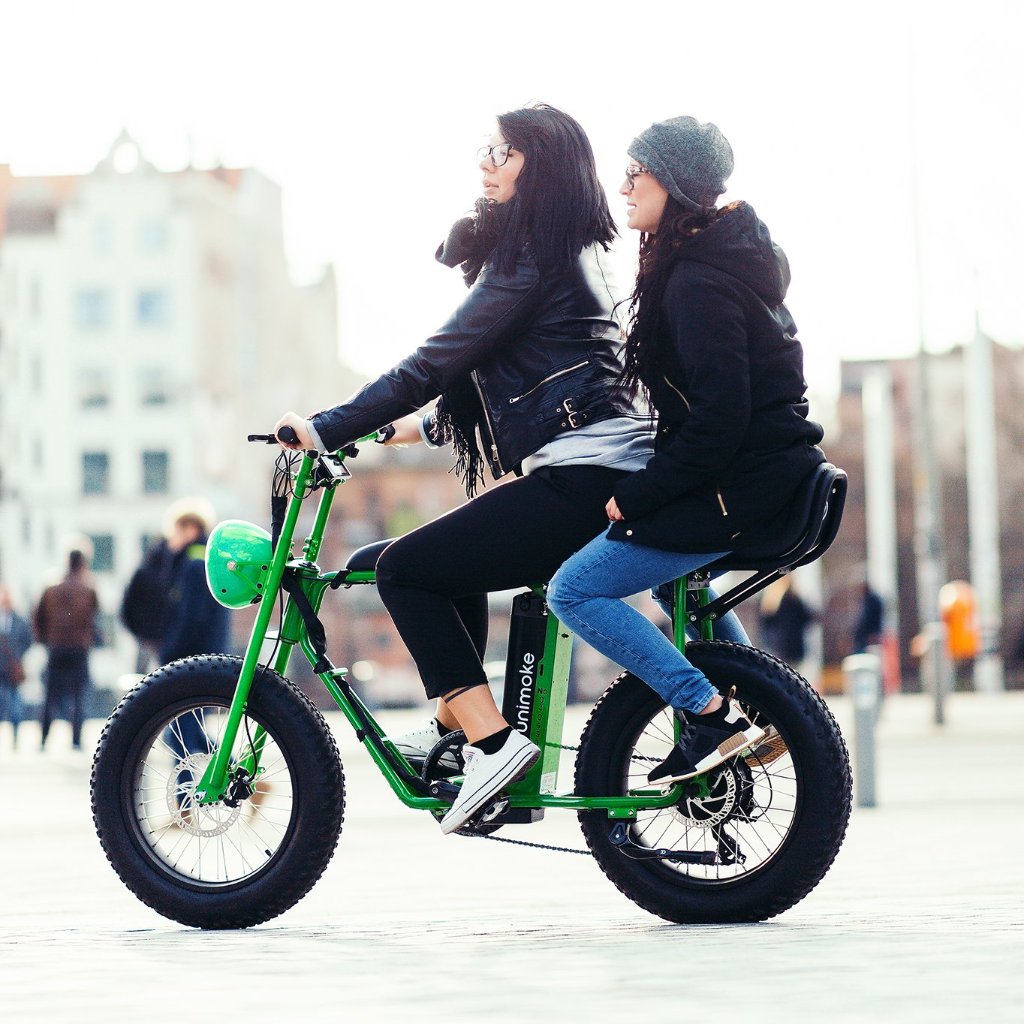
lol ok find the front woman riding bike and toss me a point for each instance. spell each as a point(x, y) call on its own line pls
point(527, 369)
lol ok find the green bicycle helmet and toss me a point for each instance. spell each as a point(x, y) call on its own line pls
point(238, 558)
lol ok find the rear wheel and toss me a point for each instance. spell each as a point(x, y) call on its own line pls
point(758, 832)
point(248, 857)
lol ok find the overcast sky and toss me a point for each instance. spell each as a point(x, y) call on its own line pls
point(369, 120)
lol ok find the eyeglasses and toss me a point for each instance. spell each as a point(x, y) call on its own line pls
point(498, 155)
point(633, 171)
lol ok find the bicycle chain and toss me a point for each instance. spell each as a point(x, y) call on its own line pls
point(548, 846)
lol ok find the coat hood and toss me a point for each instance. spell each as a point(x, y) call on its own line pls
point(739, 244)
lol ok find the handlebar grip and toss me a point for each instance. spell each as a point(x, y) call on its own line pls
point(385, 434)
point(288, 435)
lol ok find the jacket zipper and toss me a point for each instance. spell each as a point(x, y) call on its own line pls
point(721, 500)
point(553, 376)
point(490, 426)
point(680, 394)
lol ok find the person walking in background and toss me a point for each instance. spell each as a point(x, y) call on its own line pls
point(65, 622)
point(195, 623)
point(144, 606)
point(15, 640)
point(867, 629)
point(785, 618)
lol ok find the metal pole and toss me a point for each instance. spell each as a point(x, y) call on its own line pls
point(863, 679)
point(880, 490)
point(929, 547)
point(983, 509)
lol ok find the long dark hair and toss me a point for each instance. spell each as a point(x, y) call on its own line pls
point(659, 252)
point(559, 207)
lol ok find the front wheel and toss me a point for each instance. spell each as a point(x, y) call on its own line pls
point(752, 836)
point(244, 859)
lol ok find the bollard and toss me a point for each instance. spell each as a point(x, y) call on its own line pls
point(863, 680)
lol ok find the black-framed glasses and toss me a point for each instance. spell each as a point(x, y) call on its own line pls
point(498, 155)
point(633, 171)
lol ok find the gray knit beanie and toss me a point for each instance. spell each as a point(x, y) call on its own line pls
point(691, 160)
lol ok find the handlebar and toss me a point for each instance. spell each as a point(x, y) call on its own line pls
point(288, 436)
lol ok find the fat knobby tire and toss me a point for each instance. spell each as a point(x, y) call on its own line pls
point(824, 785)
point(318, 792)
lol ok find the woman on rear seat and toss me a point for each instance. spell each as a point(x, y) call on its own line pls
point(713, 348)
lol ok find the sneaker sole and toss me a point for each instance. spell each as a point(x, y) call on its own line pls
point(513, 772)
point(734, 744)
point(771, 750)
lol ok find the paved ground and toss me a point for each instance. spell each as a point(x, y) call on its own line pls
point(920, 918)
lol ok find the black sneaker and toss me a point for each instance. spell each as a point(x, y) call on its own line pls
point(707, 741)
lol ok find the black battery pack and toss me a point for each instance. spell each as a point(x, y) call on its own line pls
point(526, 635)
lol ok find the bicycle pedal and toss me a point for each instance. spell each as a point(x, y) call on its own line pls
point(492, 811)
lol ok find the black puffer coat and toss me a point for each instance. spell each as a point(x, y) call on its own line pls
point(733, 442)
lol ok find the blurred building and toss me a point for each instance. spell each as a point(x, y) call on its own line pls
point(845, 447)
point(147, 323)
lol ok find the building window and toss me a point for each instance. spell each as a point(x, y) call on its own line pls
point(153, 388)
point(94, 387)
point(103, 236)
point(153, 307)
point(152, 236)
point(102, 552)
point(155, 472)
point(95, 473)
point(93, 308)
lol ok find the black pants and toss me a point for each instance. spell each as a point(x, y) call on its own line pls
point(435, 580)
point(67, 683)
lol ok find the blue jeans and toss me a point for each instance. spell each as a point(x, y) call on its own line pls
point(586, 595)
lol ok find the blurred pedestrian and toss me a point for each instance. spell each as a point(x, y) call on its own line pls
point(785, 619)
point(145, 606)
point(195, 622)
point(65, 621)
point(15, 640)
point(867, 629)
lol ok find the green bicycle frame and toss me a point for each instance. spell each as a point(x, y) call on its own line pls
point(536, 790)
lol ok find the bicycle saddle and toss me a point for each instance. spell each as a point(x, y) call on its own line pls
point(364, 559)
point(804, 530)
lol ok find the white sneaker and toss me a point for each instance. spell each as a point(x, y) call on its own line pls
point(486, 775)
point(414, 746)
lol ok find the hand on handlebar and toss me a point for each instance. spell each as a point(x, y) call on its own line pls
point(406, 431)
point(612, 511)
point(302, 442)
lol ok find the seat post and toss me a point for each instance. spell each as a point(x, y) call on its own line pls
point(679, 618)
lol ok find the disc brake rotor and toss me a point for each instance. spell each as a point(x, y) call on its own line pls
point(203, 820)
point(714, 807)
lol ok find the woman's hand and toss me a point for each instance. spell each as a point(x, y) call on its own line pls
point(613, 512)
point(304, 442)
point(407, 431)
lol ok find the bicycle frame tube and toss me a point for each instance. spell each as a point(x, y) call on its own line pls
point(536, 790)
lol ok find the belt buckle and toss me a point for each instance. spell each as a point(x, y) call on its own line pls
point(574, 416)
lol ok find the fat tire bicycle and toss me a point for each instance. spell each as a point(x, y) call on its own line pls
point(233, 829)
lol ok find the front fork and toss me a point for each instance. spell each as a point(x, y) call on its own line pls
point(216, 779)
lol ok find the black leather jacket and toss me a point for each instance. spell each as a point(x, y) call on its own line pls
point(541, 349)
